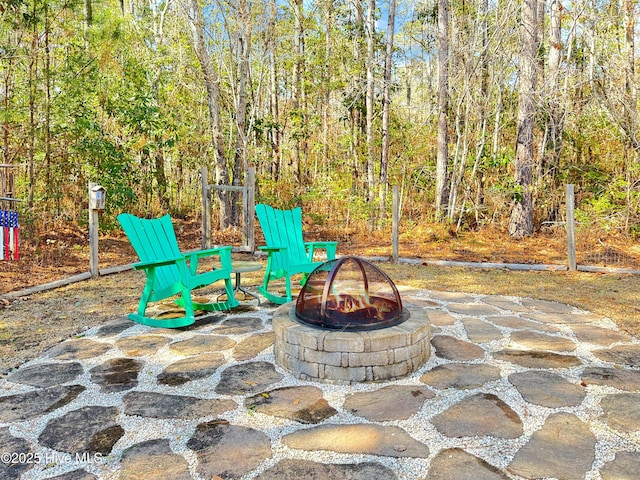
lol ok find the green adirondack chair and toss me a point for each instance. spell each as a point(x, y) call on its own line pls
point(170, 272)
point(288, 253)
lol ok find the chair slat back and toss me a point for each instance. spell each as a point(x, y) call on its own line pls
point(153, 240)
point(283, 228)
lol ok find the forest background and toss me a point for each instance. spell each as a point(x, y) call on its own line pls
point(476, 109)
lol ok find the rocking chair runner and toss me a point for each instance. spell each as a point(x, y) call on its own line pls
point(170, 272)
point(288, 253)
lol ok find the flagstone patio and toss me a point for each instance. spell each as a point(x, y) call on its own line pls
point(515, 388)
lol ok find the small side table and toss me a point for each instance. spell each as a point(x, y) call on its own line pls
point(241, 267)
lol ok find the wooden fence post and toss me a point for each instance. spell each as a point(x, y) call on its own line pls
point(93, 237)
point(395, 229)
point(571, 227)
point(206, 209)
point(250, 208)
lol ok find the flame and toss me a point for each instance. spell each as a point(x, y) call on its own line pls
point(359, 304)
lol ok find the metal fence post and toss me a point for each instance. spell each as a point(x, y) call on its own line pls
point(571, 227)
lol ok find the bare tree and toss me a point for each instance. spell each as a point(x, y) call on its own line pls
point(521, 221)
point(370, 98)
point(442, 193)
point(298, 52)
point(212, 84)
point(386, 107)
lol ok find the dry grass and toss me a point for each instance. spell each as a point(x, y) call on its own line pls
point(612, 295)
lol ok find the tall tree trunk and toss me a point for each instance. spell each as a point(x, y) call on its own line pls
point(521, 221)
point(212, 84)
point(442, 159)
point(244, 49)
point(47, 98)
point(386, 107)
point(357, 129)
point(370, 100)
point(274, 131)
point(327, 81)
point(550, 153)
point(297, 91)
point(484, 94)
point(33, 74)
point(631, 107)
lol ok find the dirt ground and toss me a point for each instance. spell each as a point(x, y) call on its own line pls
point(30, 324)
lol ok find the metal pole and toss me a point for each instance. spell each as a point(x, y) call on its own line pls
point(571, 227)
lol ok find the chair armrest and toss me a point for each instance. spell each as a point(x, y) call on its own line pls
point(157, 263)
point(321, 244)
point(209, 252)
point(272, 248)
point(329, 247)
point(224, 252)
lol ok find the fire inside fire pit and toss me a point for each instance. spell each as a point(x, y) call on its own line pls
point(349, 294)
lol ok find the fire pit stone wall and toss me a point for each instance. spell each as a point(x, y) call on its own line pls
point(344, 357)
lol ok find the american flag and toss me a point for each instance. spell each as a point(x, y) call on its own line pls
point(8, 235)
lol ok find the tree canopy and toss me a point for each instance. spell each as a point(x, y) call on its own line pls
point(138, 96)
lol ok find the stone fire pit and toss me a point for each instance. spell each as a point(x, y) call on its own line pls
point(344, 357)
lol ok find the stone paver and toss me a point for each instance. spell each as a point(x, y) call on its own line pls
point(161, 405)
point(546, 306)
point(481, 332)
point(513, 388)
point(371, 439)
point(290, 469)
point(11, 448)
point(202, 344)
point(37, 402)
point(117, 374)
point(455, 463)
point(141, 345)
point(153, 460)
point(598, 335)
point(518, 323)
point(537, 358)
point(250, 347)
point(480, 414)
point(78, 349)
point(620, 378)
point(557, 391)
point(394, 402)
point(47, 374)
point(452, 348)
point(462, 376)
point(441, 319)
point(505, 303)
point(565, 318)
point(620, 354)
point(625, 466)
point(563, 448)
point(540, 341)
point(247, 378)
point(302, 404)
point(228, 451)
point(473, 309)
point(79, 474)
point(621, 412)
point(89, 429)
point(238, 325)
point(192, 368)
